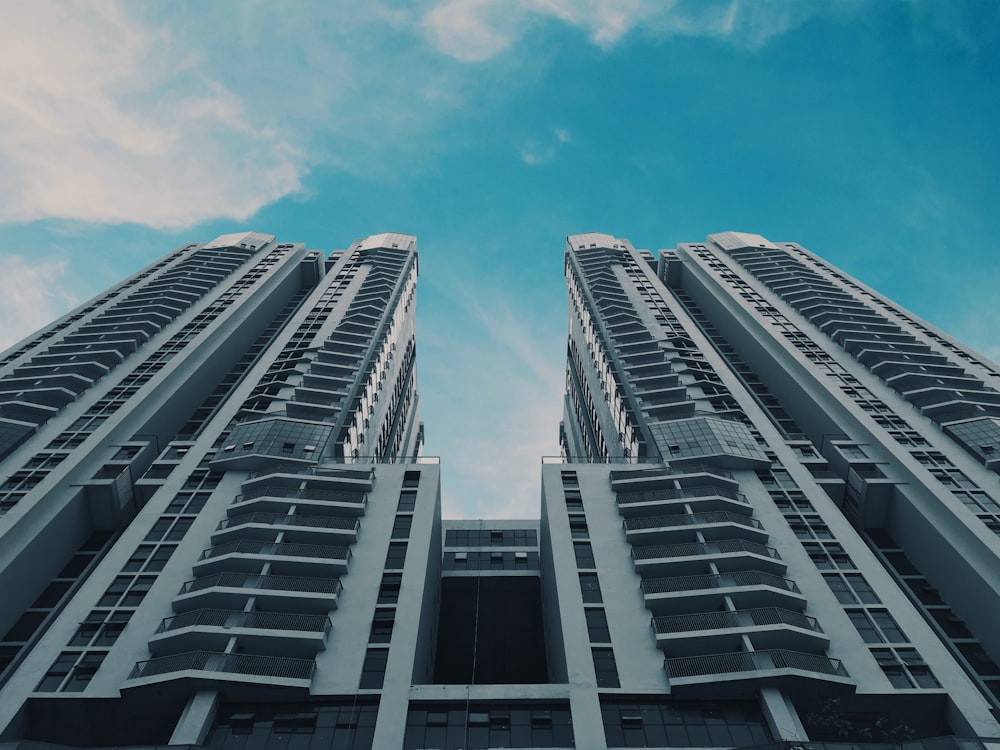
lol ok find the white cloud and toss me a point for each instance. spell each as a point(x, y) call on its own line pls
point(103, 118)
point(32, 294)
point(537, 151)
point(496, 401)
point(477, 30)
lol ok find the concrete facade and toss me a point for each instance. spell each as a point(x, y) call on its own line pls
point(775, 520)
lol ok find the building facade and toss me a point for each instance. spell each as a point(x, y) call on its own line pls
point(775, 519)
point(799, 472)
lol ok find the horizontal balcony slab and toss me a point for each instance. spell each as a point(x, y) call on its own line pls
point(699, 593)
point(247, 676)
point(743, 674)
point(682, 528)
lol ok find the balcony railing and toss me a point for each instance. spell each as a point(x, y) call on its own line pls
point(283, 519)
point(296, 493)
point(617, 476)
point(680, 493)
point(693, 549)
point(223, 618)
point(251, 547)
point(241, 664)
point(255, 581)
point(726, 580)
point(756, 661)
point(739, 619)
point(690, 519)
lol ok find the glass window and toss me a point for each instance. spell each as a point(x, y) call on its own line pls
point(590, 588)
point(605, 668)
point(597, 625)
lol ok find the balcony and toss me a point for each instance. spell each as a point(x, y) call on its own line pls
point(257, 673)
point(641, 478)
point(767, 627)
point(288, 634)
point(681, 527)
point(742, 674)
point(277, 498)
point(727, 555)
point(261, 525)
point(698, 593)
point(232, 590)
point(703, 498)
point(285, 558)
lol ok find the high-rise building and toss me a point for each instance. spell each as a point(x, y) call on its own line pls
point(775, 519)
point(810, 499)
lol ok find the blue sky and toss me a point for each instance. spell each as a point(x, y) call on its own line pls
point(865, 130)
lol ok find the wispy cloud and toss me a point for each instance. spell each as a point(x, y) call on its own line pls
point(536, 151)
point(500, 396)
point(104, 118)
point(477, 30)
point(32, 294)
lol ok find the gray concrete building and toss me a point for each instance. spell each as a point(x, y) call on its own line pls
point(774, 522)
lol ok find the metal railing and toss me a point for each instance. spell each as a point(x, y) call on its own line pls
point(756, 661)
point(342, 471)
point(224, 618)
point(253, 547)
point(739, 619)
point(243, 664)
point(693, 549)
point(296, 493)
point(258, 581)
point(631, 460)
point(690, 519)
point(680, 493)
point(617, 476)
point(283, 519)
point(725, 580)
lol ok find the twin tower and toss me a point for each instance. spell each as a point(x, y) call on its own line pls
point(775, 522)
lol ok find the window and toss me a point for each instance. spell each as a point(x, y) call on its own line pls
point(584, 554)
point(71, 672)
point(590, 588)
point(149, 557)
point(381, 631)
point(597, 625)
point(876, 626)
point(388, 591)
point(851, 588)
point(373, 669)
point(396, 555)
point(401, 527)
point(905, 668)
point(407, 501)
point(605, 668)
point(578, 528)
point(828, 556)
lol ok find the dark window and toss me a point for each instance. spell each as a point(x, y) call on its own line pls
point(590, 588)
point(381, 631)
point(411, 479)
point(373, 670)
point(597, 626)
point(605, 668)
point(584, 554)
point(407, 501)
point(388, 591)
point(401, 527)
point(396, 555)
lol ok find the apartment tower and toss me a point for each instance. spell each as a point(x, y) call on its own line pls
point(775, 520)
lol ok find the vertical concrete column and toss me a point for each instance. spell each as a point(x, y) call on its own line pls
point(192, 728)
point(782, 719)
